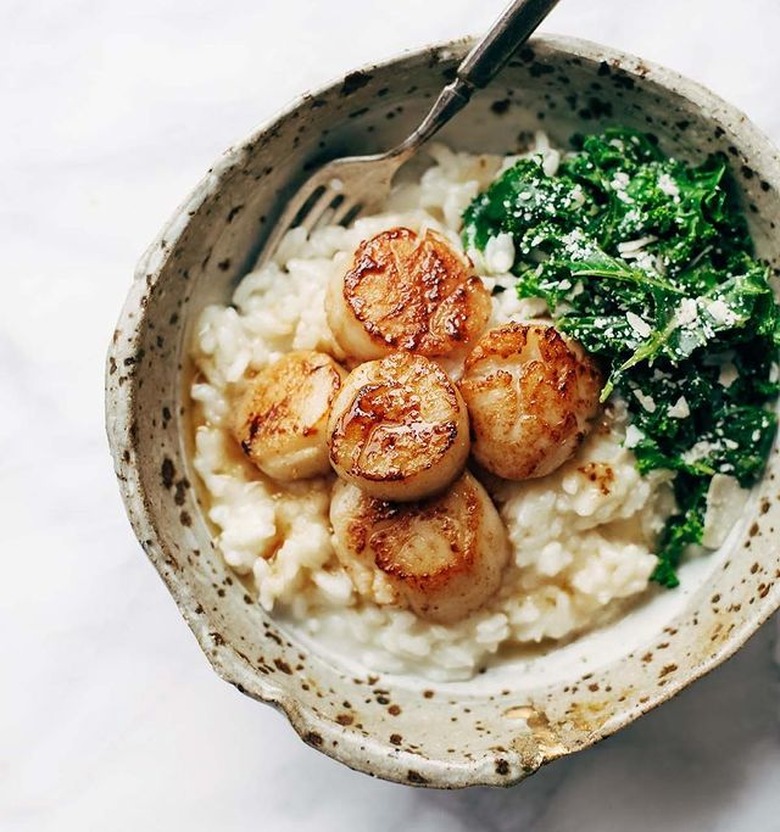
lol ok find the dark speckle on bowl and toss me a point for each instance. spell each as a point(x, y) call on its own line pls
point(354, 81)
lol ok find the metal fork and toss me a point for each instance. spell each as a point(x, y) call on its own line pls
point(344, 188)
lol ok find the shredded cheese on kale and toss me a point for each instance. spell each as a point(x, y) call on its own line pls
point(648, 263)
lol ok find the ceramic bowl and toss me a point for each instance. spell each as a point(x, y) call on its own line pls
point(504, 724)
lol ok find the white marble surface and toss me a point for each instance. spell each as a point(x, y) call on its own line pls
point(110, 718)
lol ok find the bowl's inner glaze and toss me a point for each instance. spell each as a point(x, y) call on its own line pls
point(505, 723)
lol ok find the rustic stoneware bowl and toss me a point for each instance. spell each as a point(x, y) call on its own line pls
point(507, 722)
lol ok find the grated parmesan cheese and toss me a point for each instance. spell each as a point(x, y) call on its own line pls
point(647, 402)
point(719, 311)
point(728, 374)
point(680, 409)
point(669, 186)
point(640, 326)
point(725, 501)
point(687, 311)
point(633, 436)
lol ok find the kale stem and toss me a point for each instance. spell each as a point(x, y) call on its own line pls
point(627, 276)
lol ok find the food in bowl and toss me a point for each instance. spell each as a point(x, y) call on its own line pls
point(281, 418)
point(398, 428)
point(531, 396)
point(648, 264)
point(443, 557)
point(406, 291)
point(598, 258)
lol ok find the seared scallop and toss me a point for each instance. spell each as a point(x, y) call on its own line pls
point(407, 291)
point(531, 394)
point(398, 428)
point(441, 557)
point(281, 419)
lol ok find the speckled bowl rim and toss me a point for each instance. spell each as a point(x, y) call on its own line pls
point(120, 405)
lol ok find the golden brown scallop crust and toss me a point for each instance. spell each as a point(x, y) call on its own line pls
point(442, 556)
point(411, 292)
point(280, 421)
point(531, 394)
point(398, 428)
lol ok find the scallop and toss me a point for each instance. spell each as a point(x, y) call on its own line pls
point(531, 395)
point(442, 557)
point(281, 418)
point(399, 428)
point(407, 291)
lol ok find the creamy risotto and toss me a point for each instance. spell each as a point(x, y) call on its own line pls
point(582, 537)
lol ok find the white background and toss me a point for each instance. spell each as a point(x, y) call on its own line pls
point(110, 717)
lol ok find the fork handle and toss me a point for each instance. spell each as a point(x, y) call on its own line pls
point(516, 24)
point(480, 66)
